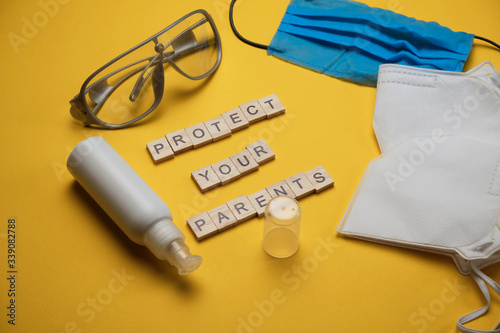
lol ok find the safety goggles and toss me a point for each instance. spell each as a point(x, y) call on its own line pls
point(130, 87)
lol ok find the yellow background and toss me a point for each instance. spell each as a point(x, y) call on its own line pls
point(69, 252)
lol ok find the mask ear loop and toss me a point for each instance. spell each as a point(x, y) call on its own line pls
point(265, 47)
point(488, 41)
point(481, 280)
point(240, 37)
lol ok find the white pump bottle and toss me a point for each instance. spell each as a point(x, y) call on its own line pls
point(130, 202)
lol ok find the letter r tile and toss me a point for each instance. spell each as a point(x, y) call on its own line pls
point(261, 151)
point(179, 141)
point(241, 208)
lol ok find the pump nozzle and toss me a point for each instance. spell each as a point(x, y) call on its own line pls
point(166, 242)
point(178, 255)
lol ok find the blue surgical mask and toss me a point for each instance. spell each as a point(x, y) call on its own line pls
point(350, 40)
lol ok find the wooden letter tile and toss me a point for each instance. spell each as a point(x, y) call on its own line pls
point(241, 208)
point(160, 150)
point(218, 128)
point(222, 217)
point(253, 111)
point(179, 141)
point(202, 226)
point(280, 188)
point(226, 171)
point(244, 162)
point(300, 185)
point(259, 201)
point(199, 135)
point(320, 179)
point(261, 151)
point(272, 105)
point(235, 119)
point(205, 178)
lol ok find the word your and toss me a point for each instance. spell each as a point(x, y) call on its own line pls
point(233, 167)
point(244, 208)
point(215, 129)
point(201, 201)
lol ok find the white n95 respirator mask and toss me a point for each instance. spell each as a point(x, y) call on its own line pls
point(436, 186)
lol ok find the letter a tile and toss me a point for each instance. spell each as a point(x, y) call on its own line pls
point(222, 217)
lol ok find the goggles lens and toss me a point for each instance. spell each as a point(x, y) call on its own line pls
point(195, 49)
point(130, 86)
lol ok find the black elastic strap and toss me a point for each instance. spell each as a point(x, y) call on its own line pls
point(240, 37)
point(265, 47)
point(488, 41)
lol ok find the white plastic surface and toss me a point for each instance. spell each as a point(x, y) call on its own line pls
point(436, 185)
point(128, 200)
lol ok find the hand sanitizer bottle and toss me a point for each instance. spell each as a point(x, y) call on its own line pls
point(130, 202)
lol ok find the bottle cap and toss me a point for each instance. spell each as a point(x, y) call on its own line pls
point(281, 227)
